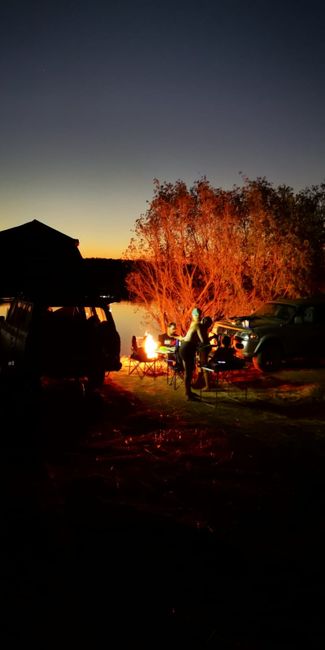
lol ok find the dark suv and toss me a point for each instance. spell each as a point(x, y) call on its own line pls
point(279, 330)
point(61, 338)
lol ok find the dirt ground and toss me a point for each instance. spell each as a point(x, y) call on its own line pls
point(132, 517)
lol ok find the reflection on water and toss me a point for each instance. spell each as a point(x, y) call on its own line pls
point(129, 321)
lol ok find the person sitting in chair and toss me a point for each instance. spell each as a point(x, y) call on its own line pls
point(169, 343)
point(225, 355)
point(137, 353)
point(168, 338)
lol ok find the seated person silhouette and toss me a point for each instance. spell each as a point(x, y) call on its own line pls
point(169, 344)
point(225, 356)
point(137, 353)
point(168, 338)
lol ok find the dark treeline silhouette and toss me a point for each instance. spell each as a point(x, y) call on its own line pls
point(108, 276)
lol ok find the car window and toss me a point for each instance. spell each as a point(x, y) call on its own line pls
point(309, 315)
point(67, 312)
point(97, 313)
point(20, 314)
point(101, 314)
point(275, 310)
point(269, 309)
point(4, 309)
point(319, 314)
point(285, 312)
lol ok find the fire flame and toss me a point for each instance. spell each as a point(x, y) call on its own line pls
point(150, 347)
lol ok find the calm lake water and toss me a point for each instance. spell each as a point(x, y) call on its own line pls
point(129, 321)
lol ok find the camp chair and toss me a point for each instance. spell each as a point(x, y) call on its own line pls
point(138, 361)
point(223, 375)
point(174, 367)
point(175, 373)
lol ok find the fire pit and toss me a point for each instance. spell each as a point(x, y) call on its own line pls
point(144, 359)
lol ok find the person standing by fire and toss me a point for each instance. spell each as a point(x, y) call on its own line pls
point(188, 347)
point(204, 351)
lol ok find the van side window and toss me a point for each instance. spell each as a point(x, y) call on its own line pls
point(100, 313)
point(320, 314)
point(16, 314)
point(19, 314)
point(309, 315)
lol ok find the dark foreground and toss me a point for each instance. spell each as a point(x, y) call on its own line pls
point(123, 525)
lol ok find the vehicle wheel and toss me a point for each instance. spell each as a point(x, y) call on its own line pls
point(269, 358)
point(96, 378)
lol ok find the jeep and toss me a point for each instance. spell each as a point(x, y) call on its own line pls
point(60, 339)
point(278, 331)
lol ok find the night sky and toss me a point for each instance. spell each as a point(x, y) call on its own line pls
point(99, 98)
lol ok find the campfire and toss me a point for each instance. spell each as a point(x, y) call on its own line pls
point(150, 346)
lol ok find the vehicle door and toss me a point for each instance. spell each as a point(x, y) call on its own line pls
point(314, 330)
point(289, 330)
point(15, 332)
point(307, 332)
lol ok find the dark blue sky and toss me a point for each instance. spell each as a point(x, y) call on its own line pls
point(99, 98)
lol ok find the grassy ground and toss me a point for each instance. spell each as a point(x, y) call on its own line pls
point(134, 517)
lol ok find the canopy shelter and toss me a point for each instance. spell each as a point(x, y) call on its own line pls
point(35, 258)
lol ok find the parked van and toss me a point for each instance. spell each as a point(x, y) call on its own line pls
point(67, 338)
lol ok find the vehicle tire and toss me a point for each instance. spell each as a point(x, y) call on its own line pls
point(96, 378)
point(269, 358)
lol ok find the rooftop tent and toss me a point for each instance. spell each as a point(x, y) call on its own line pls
point(35, 257)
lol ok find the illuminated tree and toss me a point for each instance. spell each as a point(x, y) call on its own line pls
point(278, 259)
point(165, 277)
point(225, 251)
